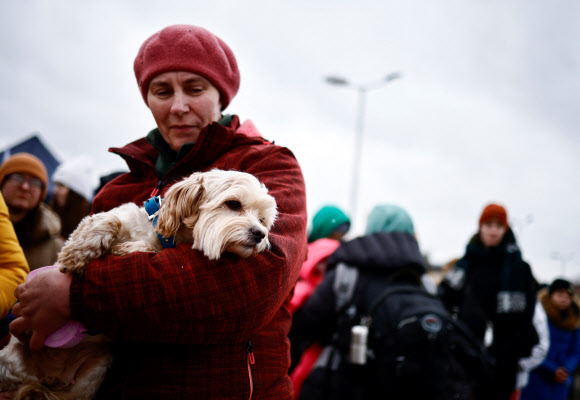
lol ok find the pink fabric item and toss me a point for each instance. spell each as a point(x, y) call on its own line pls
point(248, 129)
point(310, 276)
point(304, 366)
point(71, 333)
point(188, 48)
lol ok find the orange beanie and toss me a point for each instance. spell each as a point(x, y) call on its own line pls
point(25, 163)
point(494, 211)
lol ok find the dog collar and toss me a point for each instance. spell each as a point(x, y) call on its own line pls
point(152, 207)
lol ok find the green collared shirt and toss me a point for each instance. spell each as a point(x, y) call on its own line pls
point(167, 157)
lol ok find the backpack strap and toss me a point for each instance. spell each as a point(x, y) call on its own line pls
point(344, 283)
point(329, 358)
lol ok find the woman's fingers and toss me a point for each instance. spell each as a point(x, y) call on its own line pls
point(18, 328)
point(16, 310)
point(37, 340)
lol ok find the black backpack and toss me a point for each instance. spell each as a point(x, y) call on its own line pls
point(414, 348)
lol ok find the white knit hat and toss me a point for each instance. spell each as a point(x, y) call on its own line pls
point(79, 176)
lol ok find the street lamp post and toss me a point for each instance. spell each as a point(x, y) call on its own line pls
point(362, 90)
point(563, 258)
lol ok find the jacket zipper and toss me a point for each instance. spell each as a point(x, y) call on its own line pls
point(251, 362)
point(157, 189)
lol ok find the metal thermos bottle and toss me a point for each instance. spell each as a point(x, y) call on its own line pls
point(358, 344)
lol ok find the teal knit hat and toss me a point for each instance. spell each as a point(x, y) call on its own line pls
point(326, 221)
point(389, 218)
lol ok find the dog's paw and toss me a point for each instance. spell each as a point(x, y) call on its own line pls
point(72, 269)
point(123, 249)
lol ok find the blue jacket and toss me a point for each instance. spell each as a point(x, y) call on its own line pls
point(564, 352)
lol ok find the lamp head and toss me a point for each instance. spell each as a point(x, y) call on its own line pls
point(336, 80)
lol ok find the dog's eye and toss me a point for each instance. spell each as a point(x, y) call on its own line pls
point(234, 205)
point(262, 220)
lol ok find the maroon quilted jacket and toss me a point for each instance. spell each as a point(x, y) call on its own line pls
point(186, 327)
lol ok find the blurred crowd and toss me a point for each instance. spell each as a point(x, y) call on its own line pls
point(527, 330)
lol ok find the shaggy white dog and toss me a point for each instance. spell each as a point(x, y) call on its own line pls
point(218, 211)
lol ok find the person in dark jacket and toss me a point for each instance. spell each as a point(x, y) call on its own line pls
point(491, 286)
point(329, 222)
point(184, 326)
point(387, 253)
point(329, 225)
point(553, 378)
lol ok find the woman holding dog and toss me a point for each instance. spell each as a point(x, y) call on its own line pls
point(184, 326)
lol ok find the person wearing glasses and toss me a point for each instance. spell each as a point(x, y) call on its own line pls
point(23, 183)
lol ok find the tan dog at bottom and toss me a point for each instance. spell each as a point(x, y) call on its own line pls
point(218, 211)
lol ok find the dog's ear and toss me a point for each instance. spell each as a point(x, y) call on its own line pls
point(181, 201)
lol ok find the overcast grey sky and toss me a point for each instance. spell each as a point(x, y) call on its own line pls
point(486, 109)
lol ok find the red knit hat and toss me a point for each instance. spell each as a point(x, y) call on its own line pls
point(188, 48)
point(493, 211)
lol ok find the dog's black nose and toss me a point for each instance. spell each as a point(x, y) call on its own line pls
point(257, 234)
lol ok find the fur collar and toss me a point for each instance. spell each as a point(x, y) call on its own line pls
point(568, 320)
point(39, 225)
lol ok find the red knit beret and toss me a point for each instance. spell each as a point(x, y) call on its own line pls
point(188, 48)
point(493, 211)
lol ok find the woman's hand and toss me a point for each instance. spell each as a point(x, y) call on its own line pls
point(44, 306)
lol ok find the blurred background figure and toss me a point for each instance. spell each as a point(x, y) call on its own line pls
point(329, 225)
point(393, 218)
point(74, 186)
point(329, 222)
point(552, 379)
point(13, 266)
point(389, 218)
point(23, 183)
point(539, 351)
point(491, 286)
